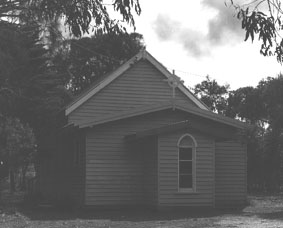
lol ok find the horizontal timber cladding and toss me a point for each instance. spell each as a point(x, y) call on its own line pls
point(168, 171)
point(150, 172)
point(121, 172)
point(142, 84)
point(230, 174)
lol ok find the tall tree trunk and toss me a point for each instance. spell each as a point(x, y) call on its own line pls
point(12, 180)
point(0, 189)
point(24, 171)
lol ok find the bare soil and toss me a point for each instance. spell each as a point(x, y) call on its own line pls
point(262, 211)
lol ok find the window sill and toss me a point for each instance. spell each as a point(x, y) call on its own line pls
point(188, 192)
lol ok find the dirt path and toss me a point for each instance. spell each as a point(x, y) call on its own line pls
point(263, 211)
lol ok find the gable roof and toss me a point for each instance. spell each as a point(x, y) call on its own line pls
point(163, 106)
point(119, 71)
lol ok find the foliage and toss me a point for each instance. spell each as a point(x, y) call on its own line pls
point(88, 59)
point(30, 87)
point(212, 94)
point(18, 142)
point(18, 147)
point(272, 90)
point(32, 81)
point(264, 19)
point(246, 104)
point(255, 158)
point(262, 107)
point(80, 16)
point(31, 91)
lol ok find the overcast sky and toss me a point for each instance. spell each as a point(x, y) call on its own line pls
point(202, 37)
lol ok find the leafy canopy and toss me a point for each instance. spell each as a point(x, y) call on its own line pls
point(30, 87)
point(261, 106)
point(79, 16)
point(87, 60)
point(18, 145)
point(212, 94)
point(263, 18)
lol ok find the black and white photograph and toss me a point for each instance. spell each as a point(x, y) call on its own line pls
point(141, 114)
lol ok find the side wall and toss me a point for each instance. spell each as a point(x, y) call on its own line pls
point(168, 171)
point(231, 174)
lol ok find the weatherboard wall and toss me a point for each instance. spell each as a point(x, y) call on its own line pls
point(169, 194)
point(140, 85)
point(149, 150)
point(115, 168)
point(231, 174)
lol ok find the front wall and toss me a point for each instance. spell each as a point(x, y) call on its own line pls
point(114, 170)
point(141, 85)
point(149, 147)
point(168, 171)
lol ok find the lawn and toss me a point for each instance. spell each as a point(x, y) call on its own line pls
point(263, 211)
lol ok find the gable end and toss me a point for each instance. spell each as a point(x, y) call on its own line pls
point(141, 55)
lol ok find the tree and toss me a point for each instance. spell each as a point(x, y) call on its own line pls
point(246, 104)
point(88, 59)
point(31, 93)
point(213, 94)
point(30, 87)
point(272, 92)
point(17, 147)
point(262, 107)
point(256, 170)
point(80, 16)
point(263, 18)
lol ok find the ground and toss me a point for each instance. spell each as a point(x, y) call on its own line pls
point(262, 211)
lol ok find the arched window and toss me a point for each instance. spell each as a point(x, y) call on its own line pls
point(186, 162)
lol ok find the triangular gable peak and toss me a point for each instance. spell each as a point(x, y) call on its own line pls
point(115, 74)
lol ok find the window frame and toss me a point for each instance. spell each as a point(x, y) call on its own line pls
point(194, 146)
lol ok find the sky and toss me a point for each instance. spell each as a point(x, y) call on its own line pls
point(202, 37)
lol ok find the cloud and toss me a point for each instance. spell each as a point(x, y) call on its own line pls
point(165, 27)
point(168, 29)
point(194, 42)
point(224, 28)
point(224, 24)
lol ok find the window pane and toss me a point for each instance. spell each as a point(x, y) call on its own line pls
point(185, 153)
point(185, 167)
point(185, 181)
point(187, 141)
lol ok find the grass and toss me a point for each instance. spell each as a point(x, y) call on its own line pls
point(263, 211)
